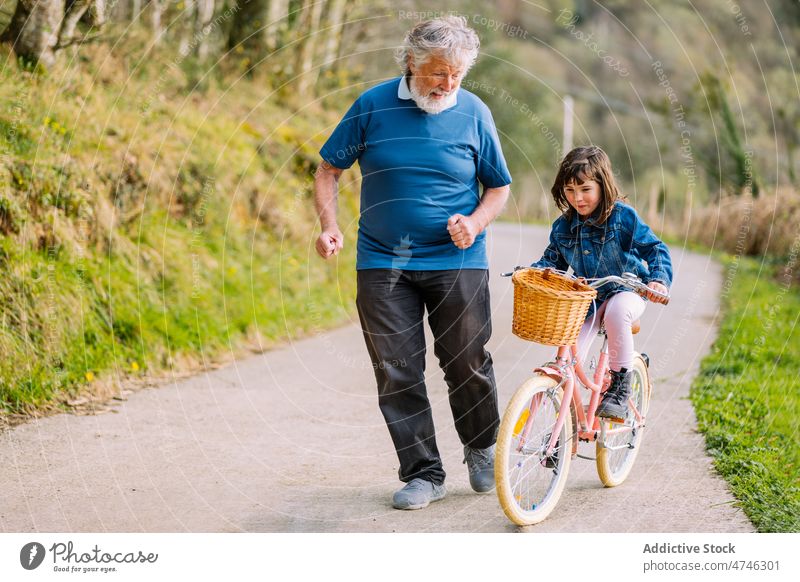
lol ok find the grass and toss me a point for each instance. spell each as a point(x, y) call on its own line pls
point(747, 395)
point(149, 226)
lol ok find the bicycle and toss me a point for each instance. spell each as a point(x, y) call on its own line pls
point(539, 433)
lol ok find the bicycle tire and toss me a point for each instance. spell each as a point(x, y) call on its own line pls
point(528, 490)
point(614, 466)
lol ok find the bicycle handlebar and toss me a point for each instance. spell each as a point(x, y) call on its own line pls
point(628, 280)
point(632, 282)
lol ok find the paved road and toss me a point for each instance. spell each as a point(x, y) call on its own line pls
point(292, 440)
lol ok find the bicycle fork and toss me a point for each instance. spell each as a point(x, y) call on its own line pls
point(568, 384)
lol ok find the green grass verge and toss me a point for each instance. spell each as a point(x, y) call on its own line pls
point(747, 395)
point(148, 225)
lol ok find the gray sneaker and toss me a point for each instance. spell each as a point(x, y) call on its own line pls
point(417, 493)
point(480, 463)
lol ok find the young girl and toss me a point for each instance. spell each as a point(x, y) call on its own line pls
point(597, 235)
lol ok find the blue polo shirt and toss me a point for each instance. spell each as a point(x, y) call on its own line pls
point(417, 170)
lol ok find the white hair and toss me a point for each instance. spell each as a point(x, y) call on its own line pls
point(448, 37)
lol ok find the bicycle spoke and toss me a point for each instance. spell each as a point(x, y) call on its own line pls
point(620, 448)
point(530, 484)
point(524, 466)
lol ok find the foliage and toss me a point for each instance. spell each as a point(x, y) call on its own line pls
point(146, 227)
point(744, 225)
point(747, 395)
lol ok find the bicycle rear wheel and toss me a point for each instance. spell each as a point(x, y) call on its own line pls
point(616, 456)
point(529, 484)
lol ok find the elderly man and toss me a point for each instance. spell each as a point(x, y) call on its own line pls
point(425, 147)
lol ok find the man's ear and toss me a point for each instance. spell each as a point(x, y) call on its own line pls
point(411, 66)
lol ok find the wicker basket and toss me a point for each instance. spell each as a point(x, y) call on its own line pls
point(549, 308)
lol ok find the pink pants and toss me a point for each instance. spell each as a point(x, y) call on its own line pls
point(619, 313)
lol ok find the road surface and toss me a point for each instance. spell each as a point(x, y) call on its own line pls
point(291, 440)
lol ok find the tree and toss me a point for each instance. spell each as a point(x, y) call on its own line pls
point(40, 28)
point(33, 30)
point(276, 22)
point(787, 124)
point(157, 8)
point(335, 17)
point(737, 166)
point(204, 15)
point(308, 31)
point(124, 10)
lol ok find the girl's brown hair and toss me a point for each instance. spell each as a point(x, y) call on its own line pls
point(582, 164)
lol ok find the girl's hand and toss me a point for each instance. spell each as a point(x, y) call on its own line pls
point(656, 286)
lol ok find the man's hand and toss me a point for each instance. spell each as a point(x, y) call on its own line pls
point(326, 188)
point(463, 230)
point(330, 242)
point(656, 286)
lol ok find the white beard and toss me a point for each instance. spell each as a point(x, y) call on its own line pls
point(427, 103)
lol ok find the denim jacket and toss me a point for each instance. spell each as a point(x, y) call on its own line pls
point(623, 243)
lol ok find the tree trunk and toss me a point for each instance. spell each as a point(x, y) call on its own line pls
point(156, 12)
point(74, 13)
point(308, 31)
point(276, 22)
point(205, 14)
point(336, 12)
point(120, 11)
point(197, 16)
point(96, 15)
point(189, 18)
point(124, 10)
point(34, 28)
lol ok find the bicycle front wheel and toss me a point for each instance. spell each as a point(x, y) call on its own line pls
point(615, 456)
point(529, 483)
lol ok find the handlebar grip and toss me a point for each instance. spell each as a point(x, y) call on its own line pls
point(644, 290)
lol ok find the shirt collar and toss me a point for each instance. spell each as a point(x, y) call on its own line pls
point(576, 221)
point(404, 93)
point(402, 89)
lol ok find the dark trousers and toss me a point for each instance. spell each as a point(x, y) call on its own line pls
point(391, 305)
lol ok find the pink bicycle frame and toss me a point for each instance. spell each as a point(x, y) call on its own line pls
point(565, 371)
